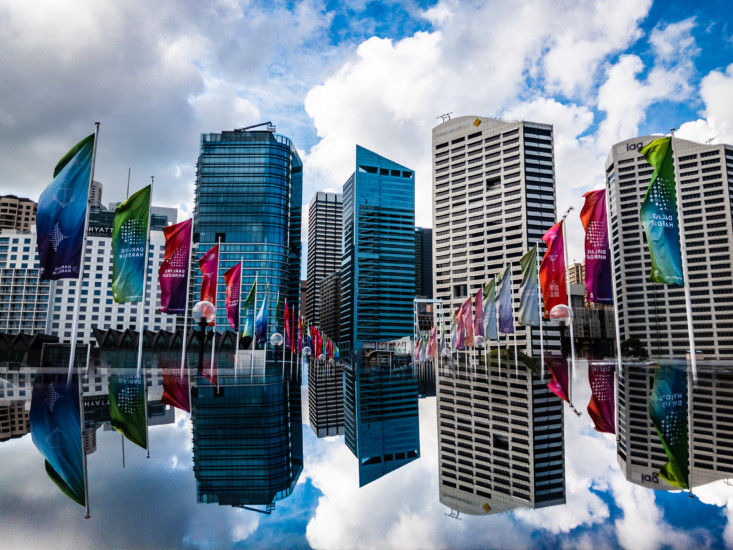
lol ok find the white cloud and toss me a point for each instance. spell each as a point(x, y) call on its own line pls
point(716, 89)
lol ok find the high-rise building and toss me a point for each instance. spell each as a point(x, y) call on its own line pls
point(326, 398)
point(576, 273)
point(17, 213)
point(324, 247)
point(639, 450)
point(378, 266)
point(655, 313)
point(331, 306)
point(501, 441)
point(14, 420)
point(95, 194)
point(160, 216)
point(493, 199)
point(248, 196)
point(423, 262)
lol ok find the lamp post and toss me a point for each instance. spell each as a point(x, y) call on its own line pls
point(277, 340)
point(203, 313)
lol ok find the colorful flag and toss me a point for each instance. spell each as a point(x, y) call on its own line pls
point(454, 330)
point(249, 312)
point(466, 313)
point(127, 406)
point(261, 321)
point(173, 272)
point(55, 423)
point(478, 320)
point(598, 286)
point(209, 265)
point(460, 329)
point(233, 282)
point(503, 302)
point(61, 214)
point(433, 343)
point(287, 325)
point(558, 385)
point(552, 269)
point(416, 354)
point(602, 407)
point(659, 215)
point(175, 386)
point(489, 311)
point(129, 241)
point(336, 353)
point(211, 369)
point(668, 411)
point(529, 307)
point(300, 334)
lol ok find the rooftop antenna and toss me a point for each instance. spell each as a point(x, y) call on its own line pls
point(445, 116)
point(709, 141)
point(270, 127)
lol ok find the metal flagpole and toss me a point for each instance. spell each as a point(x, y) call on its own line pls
point(185, 311)
point(83, 450)
point(239, 317)
point(141, 307)
point(567, 286)
point(216, 295)
point(613, 280)
point(683, 251)
point(498, 336)
point(77, 299)
point(254, 328)
point(514, 324)
point(147, 432)
point(542, 314)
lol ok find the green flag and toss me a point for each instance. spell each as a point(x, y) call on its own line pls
point(529, 312)
point(127, 406)
point(491, 331)
point(129, 241)
point(659, 215)
point(249, 312)
point(668, 411)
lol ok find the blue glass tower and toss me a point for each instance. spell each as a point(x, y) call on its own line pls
point(378, 265)
point(248, 195)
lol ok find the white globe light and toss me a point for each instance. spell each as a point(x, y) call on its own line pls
point(307, 350)
point(276, 339)
point(561, 315)
point(479, 341)
point(445, 352)
point(204, 310)
point(321, 357)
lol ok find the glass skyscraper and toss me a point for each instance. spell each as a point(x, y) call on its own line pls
point(248, 196)
point(378, 266)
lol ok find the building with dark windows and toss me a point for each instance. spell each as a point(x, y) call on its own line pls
point(501, 445)
point(17, 213)
point(326, 398)
point(248, 196)
point(655, 313)
point(639, 450)
point(493, 199)
point(423, 262)
point(378, 265)
point(331, 306)
point(381, 418)
point(324, 248)
point(247, 438)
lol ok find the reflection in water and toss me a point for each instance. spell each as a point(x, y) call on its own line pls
point(326, 398)
point(247, 436)
point(500, 440)
point(381, 418)
point(640, 452)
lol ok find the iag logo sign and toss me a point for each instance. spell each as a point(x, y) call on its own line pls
point(634, 146)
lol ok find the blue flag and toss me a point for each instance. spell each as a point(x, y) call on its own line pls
point(62, 211)
point(56, 432)
point(504, 301)
point(261, 321)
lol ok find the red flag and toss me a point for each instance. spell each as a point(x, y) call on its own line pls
point(558, 366)
point(478, 320)
point(552, 269)
point(233, 281)
point(287, 325)
point(466, 322)
point(175, 387)
point(209, 264)
point(209, 369)
point(602, 407)
point(433, 343)
point(598, 285)
point(300, 334)
point(173, 272)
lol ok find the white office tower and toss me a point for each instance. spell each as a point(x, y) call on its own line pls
point(493, 199)
point(655, 313)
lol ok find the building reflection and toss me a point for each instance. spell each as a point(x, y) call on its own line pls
point(326, 398)
point(381, 416)
point(500, 439)
point(247, 435)
point(639, 449)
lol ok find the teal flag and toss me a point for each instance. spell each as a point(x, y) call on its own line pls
point(659, 215)
point(129, 240)
point(529, 312)
point(491, 332)
point(668, 411)
point(127, 406)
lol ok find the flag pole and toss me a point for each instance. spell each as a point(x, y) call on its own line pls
point(185, 311)
point(542, 315)
point(567, 285)
point(216, 295)
point(613, 280)
point(83, 450)
point(498, 335)
point(683, 251)
point(77, 299)
point(514, 325)
point(254, 328)
point(147, 432)
point(141, 307)
point(239, 317)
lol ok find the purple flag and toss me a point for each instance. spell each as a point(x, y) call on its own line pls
point(597, 253)
point(173, 272)
point(175, 386)
point(233, 281)
point(478, 320)
point(601, 407)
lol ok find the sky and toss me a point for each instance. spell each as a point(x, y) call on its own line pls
point(331, 75)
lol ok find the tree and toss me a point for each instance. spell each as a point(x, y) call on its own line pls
point(633, 348)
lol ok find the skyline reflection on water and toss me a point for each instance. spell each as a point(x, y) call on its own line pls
point(465, 459)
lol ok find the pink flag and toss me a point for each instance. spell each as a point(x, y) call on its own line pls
point(558, 366)
point(478, 320)
point(233, 282)
point(552, 269)
point(433, 343)
point(467, 313)
point(597, 252)
point(173, 272)
point(175, 388)
point(287, 325)
point(602, 407)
